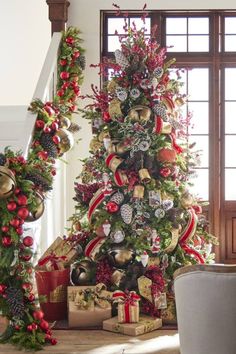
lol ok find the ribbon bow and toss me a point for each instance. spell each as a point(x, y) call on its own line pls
point(53, 259)
point(122, 297)
point(89, 297)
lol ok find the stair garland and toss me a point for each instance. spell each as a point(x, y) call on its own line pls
point(23, 187)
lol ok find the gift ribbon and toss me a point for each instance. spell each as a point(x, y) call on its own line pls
point(177, 148)
point(188, 233)
point(97, 199)
point(112, 162)
point(87, 298)
point(93, 246)
point(161, 126)
point(53, 258)
point(128, 299)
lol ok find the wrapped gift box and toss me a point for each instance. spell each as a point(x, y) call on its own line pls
point(84, 311)
point(4, 322)
point(128, 306)
point(146, 324)
point(168, 315)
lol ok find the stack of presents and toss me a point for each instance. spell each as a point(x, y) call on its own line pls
point(88, 306)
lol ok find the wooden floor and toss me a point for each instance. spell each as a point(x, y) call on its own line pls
point(103, 342)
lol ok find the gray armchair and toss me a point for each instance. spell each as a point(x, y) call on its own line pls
point(206, 308)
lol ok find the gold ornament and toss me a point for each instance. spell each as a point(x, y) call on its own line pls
point(38, 212)
point(144, 175)
point(120, 257)
point(114, 108)
point(102, 135)
point(7, 182)
point(117, 276)
point(186, 200)
point(65, 122)
point(138, 191)
point(66, 140)
point(82, 273)
point(95, 145)
point(142, 113)
point(76, 226)
point(179, 101)
point(111, 87)
point(153, 261)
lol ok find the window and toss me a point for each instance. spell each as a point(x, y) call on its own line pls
point(204, 44)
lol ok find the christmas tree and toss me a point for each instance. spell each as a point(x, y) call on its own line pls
point(136, 220)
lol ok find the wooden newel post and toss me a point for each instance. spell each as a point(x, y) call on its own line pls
point(58, 14)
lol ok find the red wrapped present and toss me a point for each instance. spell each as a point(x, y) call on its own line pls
point(128, 306)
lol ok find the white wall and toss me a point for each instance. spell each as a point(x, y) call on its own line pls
point(25, 33)
point(85, 14)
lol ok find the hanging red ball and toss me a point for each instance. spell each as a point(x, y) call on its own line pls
point(56, 139)
point(17, 327)
point(64, 75)
point(19, 231)
point(165, 172)
point(23, 213)
point(34, 326)
point(17, 191)
point(39, 124)
point(6, 241)
point(63, 62)
point(54, 126)
point(44, 325)
point(11, 206)
point(106, 117)
point(112, 207)
point(38, 315)
point(26, 257)
point(42, 155)
point(2, 288)
point(27, 286)
point(31, 297)
point(15, 222)
point(29, 328)
point(28, 241)
point(53, 341)
point(47, 130)
point(60, 93)
point(5, 228)
point(22, 200)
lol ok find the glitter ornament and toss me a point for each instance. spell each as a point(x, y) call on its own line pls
point(154, 198)
point(126, 212)
point(160, 111)
point(134, 93)
point(158, 72)
point(121, 59)
point(143, 145)
point(167, 204)
point(118, 236)
point(118, 198)
point(121, 94)
point(159, 213)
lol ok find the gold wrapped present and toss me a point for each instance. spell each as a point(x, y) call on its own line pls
point(146, 324)
point(145, 290)
point(88, 306)
point(168, 315)
point(4, 322)
point(128, 306)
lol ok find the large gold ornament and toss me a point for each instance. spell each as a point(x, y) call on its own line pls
point(95, 145)
point(114, 108)
point(66, 140)
point(119, 256)
point(38, 212)
point(82, 273)
point(140, 113)
point(186, 199)
point(7, 182)
point(65, 122)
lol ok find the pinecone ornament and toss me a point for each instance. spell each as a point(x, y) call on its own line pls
point(49, 145)
point(3, 159)
point(39, 181)
point(126, 212)
point(15, 300)
point(81, 61)
point(118, 198)
point(160, 111)
point(121, 59)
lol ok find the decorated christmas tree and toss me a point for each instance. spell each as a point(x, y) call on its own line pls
point(136, 220)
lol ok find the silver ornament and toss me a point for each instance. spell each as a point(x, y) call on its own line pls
point(126, 212)
point(118, 236)
point(144, 145)
point(159, 213)
point(167, 204)
point(154, 198)
point(121, 93)
point(145, 84)
point(158, 72)
point(134, 93)
point(144, 259)
point(106, 228)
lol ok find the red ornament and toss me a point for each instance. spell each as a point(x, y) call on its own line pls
point(49, 109)
point(47, 129)
point(5, 228)
point(166, 155)
point(38, 315)
point(53, 172)
point(106, 117)
point(2, 288)
point(39, 124)
point(63, 62)
point(197, 208)
point(64, 75)
point(19, 231)
point(48, 337)
point(34, 326)
point(22, 199)
point(53, 341)
point(26, 257)
point(70, 40)
point(27, 286)
point(17, 327)
point(15, 222)
point(56, 139)
point(60, 93)
point(72, 108)
point(28, 241)
point(17, 191)
point(43, 155)
point(6, 241)
point(23, 213)
point(76, 54)
point(54, 126)
point(31, 297)
point(44, 325)
point(11, 206)
point(112, 207)
point(29, 328)
point(165, 171)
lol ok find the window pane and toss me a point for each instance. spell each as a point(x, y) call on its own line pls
point(113, 43)
point(198, 43)
point(230, 79)
point(230, 148)
point(176, 25)
point(116, 24)
point(198, 25)
point(230, 25)
point(139, 23)
point(176, 43)
point(201, 148)
point(199, 121)
point(230, 43)
point(230, 117)
point(198, 86)
point(200, 187)
point(230, 178)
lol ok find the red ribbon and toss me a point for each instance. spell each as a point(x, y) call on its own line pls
point(177, 148)
point(120, 177)
point(97, 199)
point(53, 258)
point(158, 124)
point(93, 245)
point(129, 299)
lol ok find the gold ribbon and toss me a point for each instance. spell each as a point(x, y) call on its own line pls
point(86, 299)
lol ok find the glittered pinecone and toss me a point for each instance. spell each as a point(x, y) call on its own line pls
point(81, 60)
point(3, 159)
point(126, 212)
point(39, 181)
point(15, 300)
point(73, 128)
point(121, 59)
point(160, 111)
point(48, 145)
point(118, 198)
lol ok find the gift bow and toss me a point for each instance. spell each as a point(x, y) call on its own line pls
point(87, 298)
point(53, 259)
point(131, 297)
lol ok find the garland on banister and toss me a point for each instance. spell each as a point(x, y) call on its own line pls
point(23, 188)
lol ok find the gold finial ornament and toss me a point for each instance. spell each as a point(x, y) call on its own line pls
point(7, 182)
point(66, 140)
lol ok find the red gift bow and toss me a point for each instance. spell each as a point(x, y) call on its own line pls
point(129, 299)
point(53, 258)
